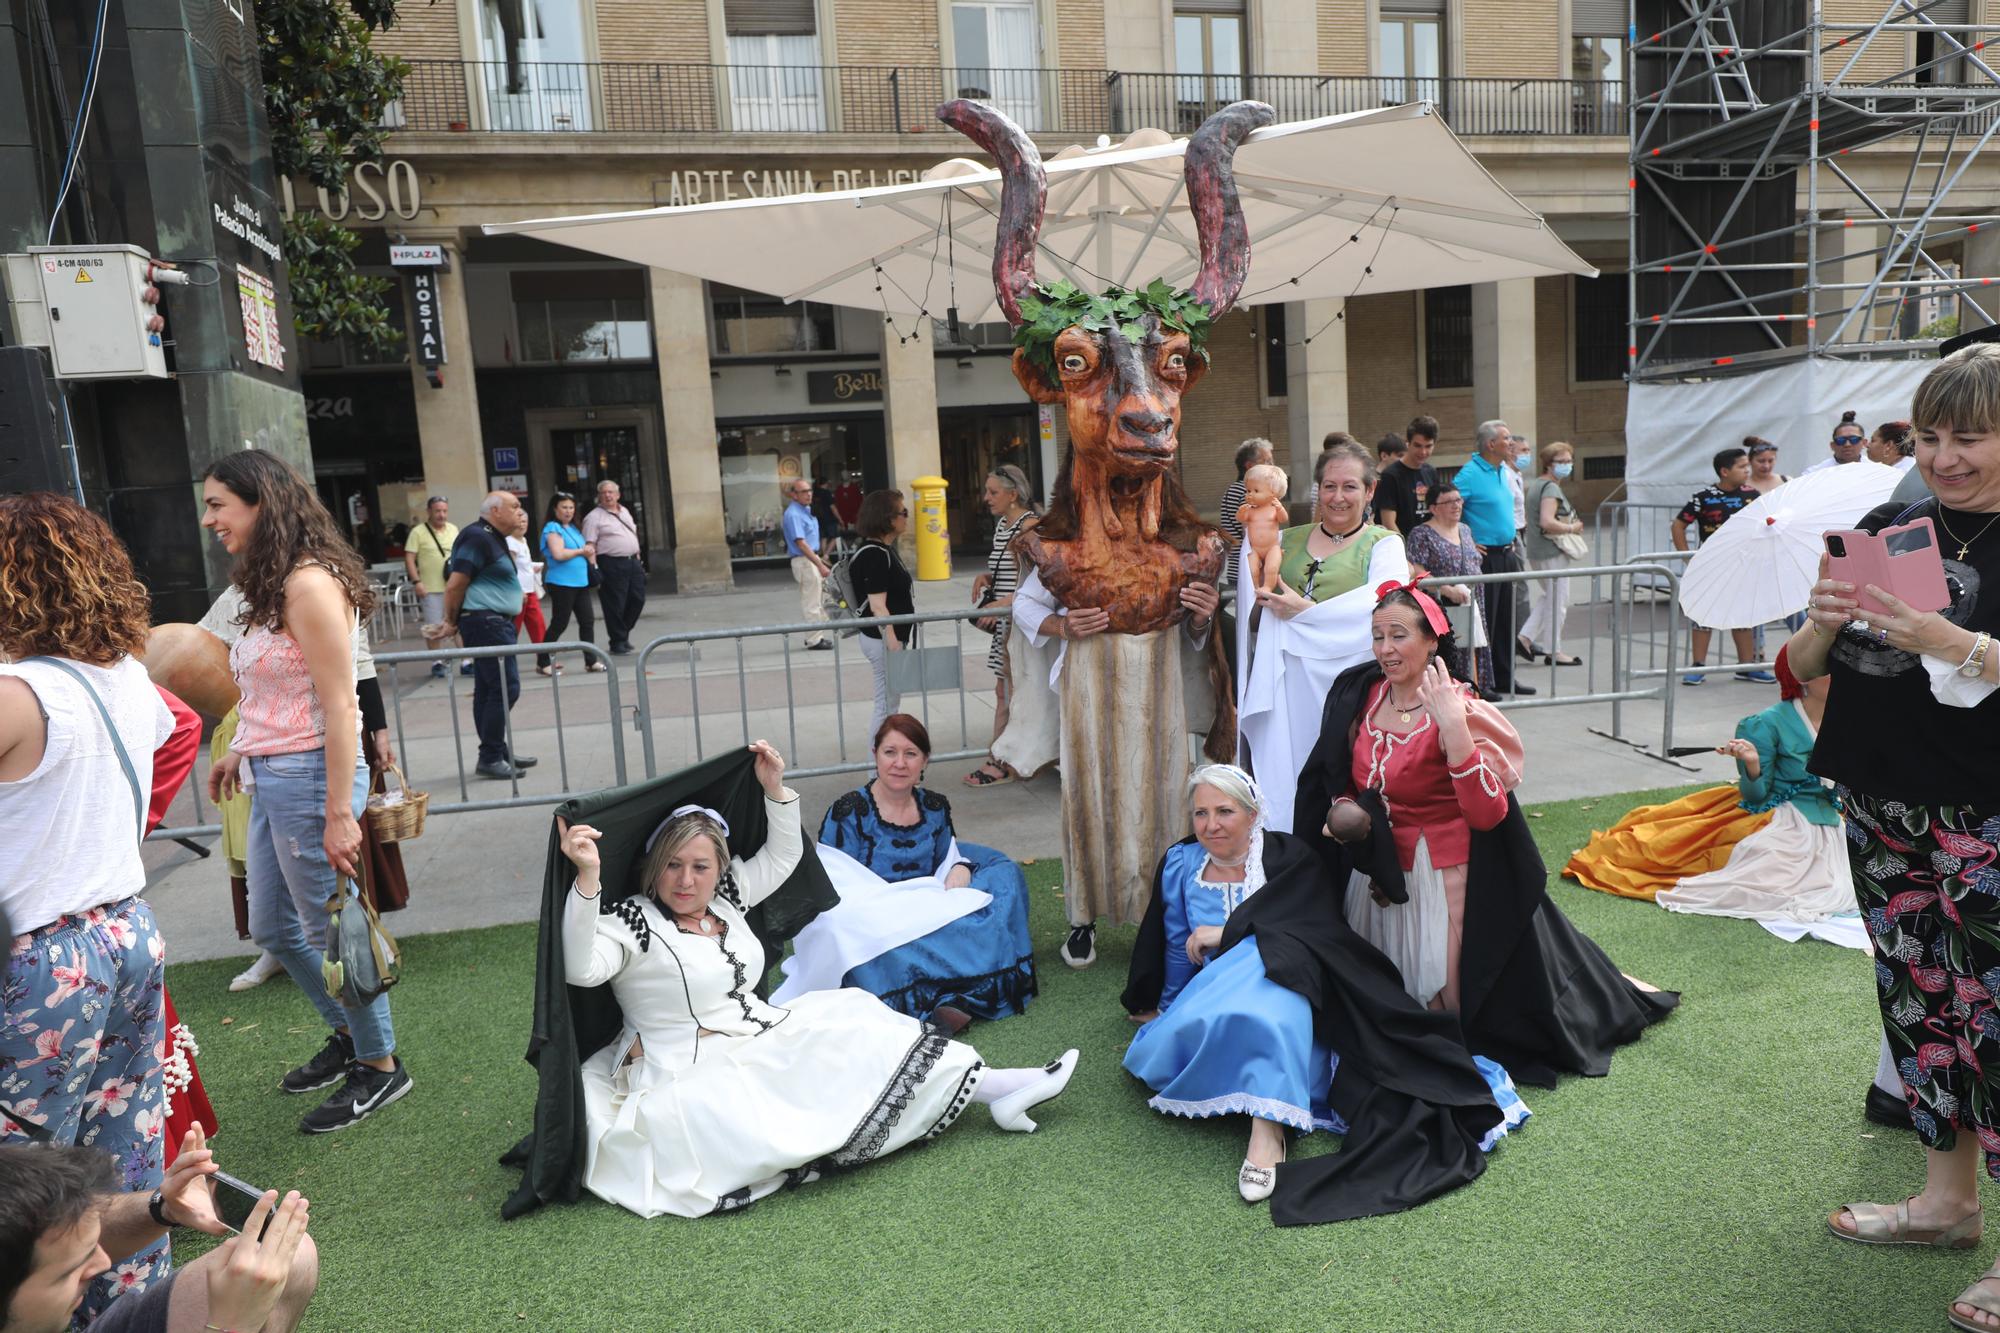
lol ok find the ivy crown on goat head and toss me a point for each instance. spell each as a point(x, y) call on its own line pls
point(1050, 310)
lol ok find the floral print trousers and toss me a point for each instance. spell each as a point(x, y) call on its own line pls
point(1927, 882)
point(82, 1050)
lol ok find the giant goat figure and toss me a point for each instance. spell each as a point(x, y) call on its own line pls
point(1119, 535)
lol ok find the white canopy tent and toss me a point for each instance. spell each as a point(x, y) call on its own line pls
point(1373, 201)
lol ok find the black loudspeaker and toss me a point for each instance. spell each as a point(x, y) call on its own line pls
point(31, 456)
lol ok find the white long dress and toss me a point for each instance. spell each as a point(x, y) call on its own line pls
point(730, 1098)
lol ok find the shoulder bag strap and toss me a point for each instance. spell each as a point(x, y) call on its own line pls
point(435, 542)
point(124, 759)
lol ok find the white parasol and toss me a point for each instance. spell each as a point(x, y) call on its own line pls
point(1372, 201)
point(1761, 565)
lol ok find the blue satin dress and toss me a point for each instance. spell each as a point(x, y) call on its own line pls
point(984, 963)
point(1229, 1040)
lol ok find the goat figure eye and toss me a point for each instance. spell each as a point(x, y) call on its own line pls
point(1178, 361)
point(1073, 363)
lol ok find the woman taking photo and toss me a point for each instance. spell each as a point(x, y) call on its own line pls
point(1462, 908)
point(1442, 547)
point(567, 565)
point(950, 957)
point(1549, 517)
point(298, 751)
point(1292, 641)
point(1909, 734)
point(1013, 508)
point(1221, 1037)
point(884, 588)
point(710, 1099)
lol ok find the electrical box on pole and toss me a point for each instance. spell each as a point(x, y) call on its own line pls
point(94, 307)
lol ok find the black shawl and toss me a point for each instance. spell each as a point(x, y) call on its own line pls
point(572, 1023)
point(1539, 996)
point(1416, 1106)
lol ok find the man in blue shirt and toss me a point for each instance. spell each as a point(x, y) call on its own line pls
point(1489, 512)
point(481, 598)
point(802, 545)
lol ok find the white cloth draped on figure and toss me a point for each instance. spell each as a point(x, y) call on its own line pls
point(1284, 674)
point(1034, 713)
point(874, 916)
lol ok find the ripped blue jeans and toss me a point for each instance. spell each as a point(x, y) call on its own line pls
point(291, 882)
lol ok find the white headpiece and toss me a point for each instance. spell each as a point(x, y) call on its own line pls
point(715, 815)
point(1253, 865)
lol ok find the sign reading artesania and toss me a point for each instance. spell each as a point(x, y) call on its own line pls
point(844, 386)
point(708, 187)
point(427, 327)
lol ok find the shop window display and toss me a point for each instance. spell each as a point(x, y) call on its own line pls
point(757, 458)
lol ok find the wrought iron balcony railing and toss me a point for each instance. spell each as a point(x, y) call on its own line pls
point(632, 98)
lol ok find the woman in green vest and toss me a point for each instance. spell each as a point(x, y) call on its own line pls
point(1293, 640)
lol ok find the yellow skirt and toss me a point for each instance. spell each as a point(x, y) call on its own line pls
point(1656, 846)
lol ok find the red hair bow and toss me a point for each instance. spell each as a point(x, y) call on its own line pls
point(1433, 613)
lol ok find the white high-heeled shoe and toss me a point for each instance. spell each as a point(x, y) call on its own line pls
point(1254, 1182)
point(1011, 1112)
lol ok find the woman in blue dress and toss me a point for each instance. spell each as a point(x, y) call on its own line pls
point(1227, 1039)
point(977, 963)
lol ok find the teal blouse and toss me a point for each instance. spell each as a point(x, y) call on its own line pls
point(1784, 746)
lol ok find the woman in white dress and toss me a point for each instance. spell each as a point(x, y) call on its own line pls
point(711, 1098)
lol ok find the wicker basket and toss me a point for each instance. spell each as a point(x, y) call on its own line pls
point(398, 816)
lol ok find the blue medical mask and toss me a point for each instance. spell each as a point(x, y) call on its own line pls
point(1522, 461)
point(1563, 470)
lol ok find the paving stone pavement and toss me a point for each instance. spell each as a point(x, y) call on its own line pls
point(480, 868)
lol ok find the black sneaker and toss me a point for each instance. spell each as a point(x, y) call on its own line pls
point(323, 1070)
point(1080, 949)
point(366, 1091)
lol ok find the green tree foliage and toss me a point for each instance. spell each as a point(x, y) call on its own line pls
point(325, 89)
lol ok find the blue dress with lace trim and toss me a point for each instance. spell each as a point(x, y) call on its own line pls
point(984, 963)
point(1229, 1040)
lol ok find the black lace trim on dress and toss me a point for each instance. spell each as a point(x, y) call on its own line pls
point(865, 1144)
point(633, 915)
point(992, 995)
point(742, 982)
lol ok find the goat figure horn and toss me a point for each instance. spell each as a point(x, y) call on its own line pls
point(1024, 189)
point(1218, 214)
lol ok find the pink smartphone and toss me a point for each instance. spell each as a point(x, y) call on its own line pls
point(1903, 561)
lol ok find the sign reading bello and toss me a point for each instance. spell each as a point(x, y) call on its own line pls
point(844, 386)
point(375, 190)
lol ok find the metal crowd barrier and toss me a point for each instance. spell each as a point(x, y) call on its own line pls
point(456, 688)
point(844, 658)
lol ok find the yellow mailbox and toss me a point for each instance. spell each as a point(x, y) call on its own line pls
point(932, 529)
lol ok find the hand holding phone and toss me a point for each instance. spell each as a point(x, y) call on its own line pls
point(236, 1201)
point(1903, 561)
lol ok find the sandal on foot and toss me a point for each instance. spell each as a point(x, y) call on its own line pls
point(1881, 1224)
point(989, 774)
point(1986, 1304)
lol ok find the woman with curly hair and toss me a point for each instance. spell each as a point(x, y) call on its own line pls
point(297, 750)
point(82, 1029)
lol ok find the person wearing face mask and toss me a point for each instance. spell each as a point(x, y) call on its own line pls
point(1549, 518)
point(1293, 640)
point(1850, 444)
point(934, 928)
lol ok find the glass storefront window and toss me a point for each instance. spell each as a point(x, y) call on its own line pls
point(753, 324)
point(756, 458)
point(580, 315)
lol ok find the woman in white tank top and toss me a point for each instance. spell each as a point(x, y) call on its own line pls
point(82, 1030)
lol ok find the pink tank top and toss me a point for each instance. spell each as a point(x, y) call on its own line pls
point(279, 712)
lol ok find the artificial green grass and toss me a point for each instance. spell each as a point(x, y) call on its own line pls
point(1684, 1192)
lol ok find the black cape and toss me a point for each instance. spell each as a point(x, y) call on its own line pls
point(1538, 995)
point(1416, 1106)
point(572, 1023)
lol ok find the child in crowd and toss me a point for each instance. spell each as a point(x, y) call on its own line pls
point(1709, 509)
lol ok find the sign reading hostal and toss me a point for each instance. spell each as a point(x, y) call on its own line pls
point(844, 386)
point(427, 325)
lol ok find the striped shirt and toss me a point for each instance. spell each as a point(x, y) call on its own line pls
point(1232, 500)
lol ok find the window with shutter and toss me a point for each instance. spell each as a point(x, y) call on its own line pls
point(761, 18)
point(1597, 18)
point(775, 81)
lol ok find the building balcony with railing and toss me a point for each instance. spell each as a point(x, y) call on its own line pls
point(551, 98)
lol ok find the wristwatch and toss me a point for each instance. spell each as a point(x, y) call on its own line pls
point(157, 1207)
point(1974, 665)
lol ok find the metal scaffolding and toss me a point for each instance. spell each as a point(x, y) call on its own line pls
point(1816, 121)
